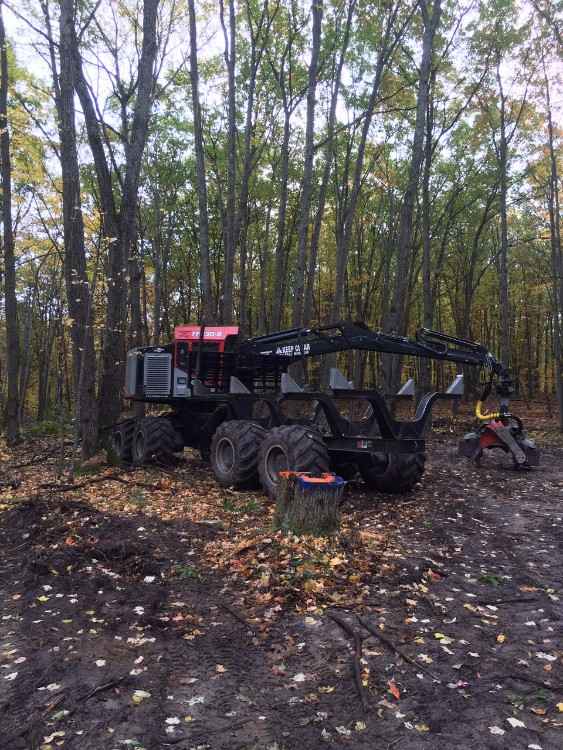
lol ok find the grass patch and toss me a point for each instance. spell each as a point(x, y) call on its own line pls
point(490, 579)
point(186, 571)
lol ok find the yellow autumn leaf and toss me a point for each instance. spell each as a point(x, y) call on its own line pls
point(422, 727)
point(560, 707)
point(336, 560)
point(501, 638)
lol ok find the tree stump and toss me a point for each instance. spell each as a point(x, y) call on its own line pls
point(306, 504)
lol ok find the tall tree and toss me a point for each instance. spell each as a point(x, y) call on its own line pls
point(12, 335)
point(230, 218)
point(555, 241)
point(328, 157)
point(393, 27)
point(307, 182)
point(396, 319)
point(76, 279)
point(207, 307)
point(119, 217)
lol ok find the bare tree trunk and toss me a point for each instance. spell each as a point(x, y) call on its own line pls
point(207, 307)
point(12, 335)
point(26, 358)
point(249, 155)
point(230, 219)
point(556, 253)
point(76, 278)
point(307, 184)
point(390, 40)
point(396, 317)
point(503, 257)
point(113, 344)
point(279, 272)
point(112, 376)
point(328, 158)
point(427, 286)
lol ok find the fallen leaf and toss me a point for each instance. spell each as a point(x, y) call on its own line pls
point(335, 561)
point(516, 723)
point(393, 689)
point(545, 657)
point(496, 730)
point(501, 638)
point(51, 737)
point(139, 696)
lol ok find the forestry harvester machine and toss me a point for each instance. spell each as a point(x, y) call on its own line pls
point(235, 401)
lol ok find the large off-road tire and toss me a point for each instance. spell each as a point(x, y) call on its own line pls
point(120, 442)
point(155, 440)
point(291, 448)
point(395, 473)
point(234, 453)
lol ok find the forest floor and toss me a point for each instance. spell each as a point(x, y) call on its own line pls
point(152, 609)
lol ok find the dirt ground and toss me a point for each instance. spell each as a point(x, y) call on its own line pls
point(150, 609)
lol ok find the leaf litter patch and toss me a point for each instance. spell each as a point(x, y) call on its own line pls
point(178, 619)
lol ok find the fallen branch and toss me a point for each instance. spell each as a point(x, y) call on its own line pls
point(37, 459)
point(96, 480)
point(388, 642)
point(356, 665)
point(518, 600)
point(100, 688)
point(531, 680)
point(53, 704)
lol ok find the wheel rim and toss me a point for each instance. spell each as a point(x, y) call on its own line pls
point(225, 455)
point(276, 461)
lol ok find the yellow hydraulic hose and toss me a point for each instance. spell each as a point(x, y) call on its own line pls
point(485, 415)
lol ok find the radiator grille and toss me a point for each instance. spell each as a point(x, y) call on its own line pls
point(158, 374)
